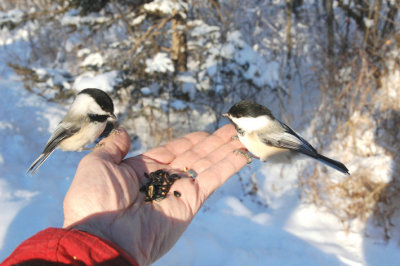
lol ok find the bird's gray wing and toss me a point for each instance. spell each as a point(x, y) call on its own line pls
point(284, 137)
point(63, 130)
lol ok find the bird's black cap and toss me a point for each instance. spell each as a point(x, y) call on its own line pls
point(101, 98)
point(248, 108)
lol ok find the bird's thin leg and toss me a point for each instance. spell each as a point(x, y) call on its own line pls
point(246, 154)
point(114, 130)
point(99, 144)
point(236, 137)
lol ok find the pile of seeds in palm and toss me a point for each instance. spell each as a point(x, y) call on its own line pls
point(158, 185)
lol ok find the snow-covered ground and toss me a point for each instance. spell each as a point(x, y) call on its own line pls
point(233, 228)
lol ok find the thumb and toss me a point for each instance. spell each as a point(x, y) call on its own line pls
point(113, 148)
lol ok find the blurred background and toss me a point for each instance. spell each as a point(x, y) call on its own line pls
point(330, 69)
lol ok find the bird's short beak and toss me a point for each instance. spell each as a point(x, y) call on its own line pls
point(113, 116)
point(225, 115)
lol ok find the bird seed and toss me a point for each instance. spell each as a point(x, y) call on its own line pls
point(158, 185)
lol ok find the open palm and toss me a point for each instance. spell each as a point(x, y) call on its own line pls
point(104, 197)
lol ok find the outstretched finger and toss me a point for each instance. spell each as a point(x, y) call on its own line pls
point(113, 148)
point(167, 153)
point(205, 148)
point(217, 174)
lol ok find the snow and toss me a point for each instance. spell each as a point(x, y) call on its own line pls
point(14, 16)
point(95, 59)
point(54, 77)
point(201, 29)
point(188, 85)
point(368, 22)
point(104, 81)
point(83, 52)
point(159, 63)
point(260, 72)
point(146, 90)
point(137, 20)
point(178, 105)
point(235, 231)
point(29, 203)
point(77, 20)
point(392, 81)
point(316, 231)
point(167, 7)
point(20, 34)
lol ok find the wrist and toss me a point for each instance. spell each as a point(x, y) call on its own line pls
point(92, 227)
point(105, 228)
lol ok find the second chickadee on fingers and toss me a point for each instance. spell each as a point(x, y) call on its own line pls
point(266, 137)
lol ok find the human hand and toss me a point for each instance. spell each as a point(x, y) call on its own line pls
point(104, 197)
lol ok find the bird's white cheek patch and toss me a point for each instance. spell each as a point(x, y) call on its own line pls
point(84, 104)
point(252, 123)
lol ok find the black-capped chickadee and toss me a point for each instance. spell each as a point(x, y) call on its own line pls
point(85, 120)
point(268, 138)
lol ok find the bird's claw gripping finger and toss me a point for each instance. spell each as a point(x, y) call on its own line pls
point(245, 154)
point(236, 137)
point(98, 145)
point(114, 130)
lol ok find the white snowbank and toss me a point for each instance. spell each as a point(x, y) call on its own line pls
point(105, 81)
point(159, 63)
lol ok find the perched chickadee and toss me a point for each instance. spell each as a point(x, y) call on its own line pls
point(268, 138)
point(85, 120)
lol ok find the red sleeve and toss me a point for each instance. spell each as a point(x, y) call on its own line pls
point(68, 246)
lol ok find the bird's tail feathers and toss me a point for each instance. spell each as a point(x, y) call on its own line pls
point(333, 163)
point(38, 162)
